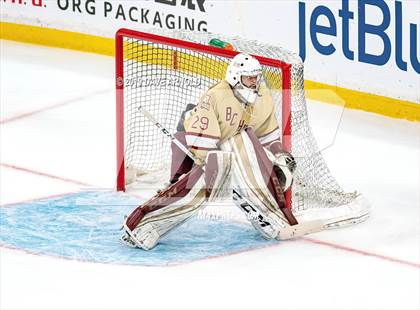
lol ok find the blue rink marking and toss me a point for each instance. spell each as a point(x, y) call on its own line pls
point(85, 226)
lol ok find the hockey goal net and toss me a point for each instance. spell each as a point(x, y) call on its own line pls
point(164, 73)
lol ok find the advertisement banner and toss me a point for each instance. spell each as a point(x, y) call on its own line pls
point(370, 46)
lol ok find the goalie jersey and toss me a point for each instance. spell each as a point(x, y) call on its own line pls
point(220, 115)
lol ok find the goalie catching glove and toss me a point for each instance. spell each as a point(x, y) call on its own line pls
point(284, 164)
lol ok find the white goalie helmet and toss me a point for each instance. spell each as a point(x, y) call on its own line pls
point(244, 65)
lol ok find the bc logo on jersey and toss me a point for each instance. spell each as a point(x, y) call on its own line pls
point(230, 117)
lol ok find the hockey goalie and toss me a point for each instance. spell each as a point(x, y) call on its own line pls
point(230, 142)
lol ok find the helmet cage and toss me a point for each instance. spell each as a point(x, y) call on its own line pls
point(244, 65)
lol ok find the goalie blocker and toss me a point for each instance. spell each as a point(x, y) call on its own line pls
point(257, 191)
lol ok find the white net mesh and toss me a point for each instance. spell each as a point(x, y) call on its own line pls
point(163, 79)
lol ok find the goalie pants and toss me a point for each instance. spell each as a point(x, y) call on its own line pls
point(242, 158)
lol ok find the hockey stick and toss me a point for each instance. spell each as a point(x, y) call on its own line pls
point(287, 232)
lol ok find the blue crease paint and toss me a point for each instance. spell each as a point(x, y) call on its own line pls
point(86, 226)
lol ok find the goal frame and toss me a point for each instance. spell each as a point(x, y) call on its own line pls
point(119, 82)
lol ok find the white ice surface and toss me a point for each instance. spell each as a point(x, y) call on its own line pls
point(69, 133)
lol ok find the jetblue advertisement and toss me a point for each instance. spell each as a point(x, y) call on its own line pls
point(366, 31)
point(372, 46)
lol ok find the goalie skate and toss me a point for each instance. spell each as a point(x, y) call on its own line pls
point(126, 240)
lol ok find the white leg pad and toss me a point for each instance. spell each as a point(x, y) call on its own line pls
point(179, 202)
point(254, 199)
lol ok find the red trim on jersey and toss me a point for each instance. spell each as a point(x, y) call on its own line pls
point(203, 148)
point(188, 133)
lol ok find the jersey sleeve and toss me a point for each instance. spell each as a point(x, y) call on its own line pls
point(202, 131)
